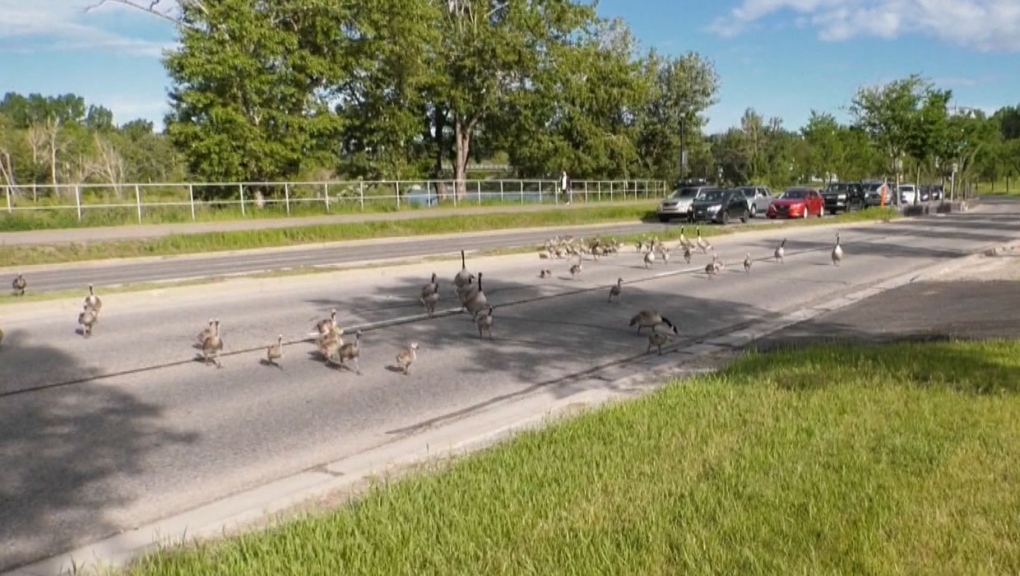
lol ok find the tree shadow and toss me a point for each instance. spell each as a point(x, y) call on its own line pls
point(60, 470)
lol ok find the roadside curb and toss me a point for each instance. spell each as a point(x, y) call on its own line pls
point(470, 433)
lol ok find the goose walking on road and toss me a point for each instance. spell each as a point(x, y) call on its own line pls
point(780, 253)
point(837, 252)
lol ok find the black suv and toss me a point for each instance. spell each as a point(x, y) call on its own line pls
point(843, 196)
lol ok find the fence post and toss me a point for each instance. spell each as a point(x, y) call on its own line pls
point(396, 190)
point(478, 191)
point(10, 206)
point(240, 192)
point(585, 191)
point(501, 198)
point(191, 199)
point(361, 194)
point(77, 199)
point(286, 196)
point(521, 182)
point(611, 195)
point(325, 194)
point(138, 202)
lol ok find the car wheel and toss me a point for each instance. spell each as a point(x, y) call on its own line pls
point(745, 217)
point(725, 217)
point(664, 219)
point(754, 211)
point(804, 213)
point(821, 211)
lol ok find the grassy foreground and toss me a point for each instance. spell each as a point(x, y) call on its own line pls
point(271, 238)
point(888, 459)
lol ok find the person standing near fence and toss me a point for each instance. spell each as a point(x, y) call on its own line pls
point(565, 186)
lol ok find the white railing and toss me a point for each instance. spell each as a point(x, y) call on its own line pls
point(168, 202)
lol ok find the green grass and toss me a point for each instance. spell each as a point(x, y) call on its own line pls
point(270, 238)
point(1002, 187)
point(886, 459)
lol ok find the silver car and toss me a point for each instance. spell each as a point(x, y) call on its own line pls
point(678, 204)
point(758, 198)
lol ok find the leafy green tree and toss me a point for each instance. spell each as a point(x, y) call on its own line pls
point(823, 134)
point(250, 97)
point(887, 114)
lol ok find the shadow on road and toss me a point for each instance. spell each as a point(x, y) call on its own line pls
point(48, 441)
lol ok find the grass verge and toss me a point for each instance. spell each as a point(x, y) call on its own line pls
point(254, 239)
point(882, 459)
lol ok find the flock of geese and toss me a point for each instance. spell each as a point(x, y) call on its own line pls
point(328, 334)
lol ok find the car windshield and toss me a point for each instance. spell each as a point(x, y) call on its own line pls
point(712, 195)
point(794, 195)
point(838, 187)
point(873, 187)
point(684, 193)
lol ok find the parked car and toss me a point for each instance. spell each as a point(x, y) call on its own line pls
point(873, 191)
point(720, 206)
point(907, 193)
point(758, 198)
point(678, 204)
point(930, 192)
point(843, 197)
point(797, 203)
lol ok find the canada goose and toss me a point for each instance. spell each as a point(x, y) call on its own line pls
point(657, 340)
point(484, 322)
point(712, 268)
point(687, 254)
point(649, 257)
point(208, 331)
point(684, 243)
point(275, 352)
point(212, 346)
point(476, 301)
point(87, 319)
point(780, 253)
point(462, 277)
point(664, 253)
point(351, 351)
point(93, 301)
point(429, 302)
point(615, 291)
point(576, 269)
point(406, 356)
point(747, 262)
point(431, 288)
point(651, 319)
point(702, 243)
point(837, 252)
point(547, 273)
point(19, 284)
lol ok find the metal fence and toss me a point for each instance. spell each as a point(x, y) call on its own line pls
point(169, 202)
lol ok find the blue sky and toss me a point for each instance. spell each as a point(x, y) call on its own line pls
point(781, 57)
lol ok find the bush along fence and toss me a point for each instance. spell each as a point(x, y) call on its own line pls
point(98, 204)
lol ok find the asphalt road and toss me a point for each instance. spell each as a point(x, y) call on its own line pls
point(147, 431)
point(115, 273)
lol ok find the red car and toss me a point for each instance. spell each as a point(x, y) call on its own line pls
point(797, 203)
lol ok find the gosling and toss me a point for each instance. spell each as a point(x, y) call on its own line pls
point(274, 353)
point(657, 340)
point(406, 357)
point(351, 351)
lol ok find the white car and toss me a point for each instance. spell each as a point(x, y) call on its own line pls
point(907, 193)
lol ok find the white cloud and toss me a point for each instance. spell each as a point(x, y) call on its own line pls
point(64, 25)
point(986, 25)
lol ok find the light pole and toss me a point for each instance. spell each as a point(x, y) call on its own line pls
point(898, 165)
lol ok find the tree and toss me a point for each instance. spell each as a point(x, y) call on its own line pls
point(250, 97)
point(887, 114)
point(670, 123)
point(823, 135)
